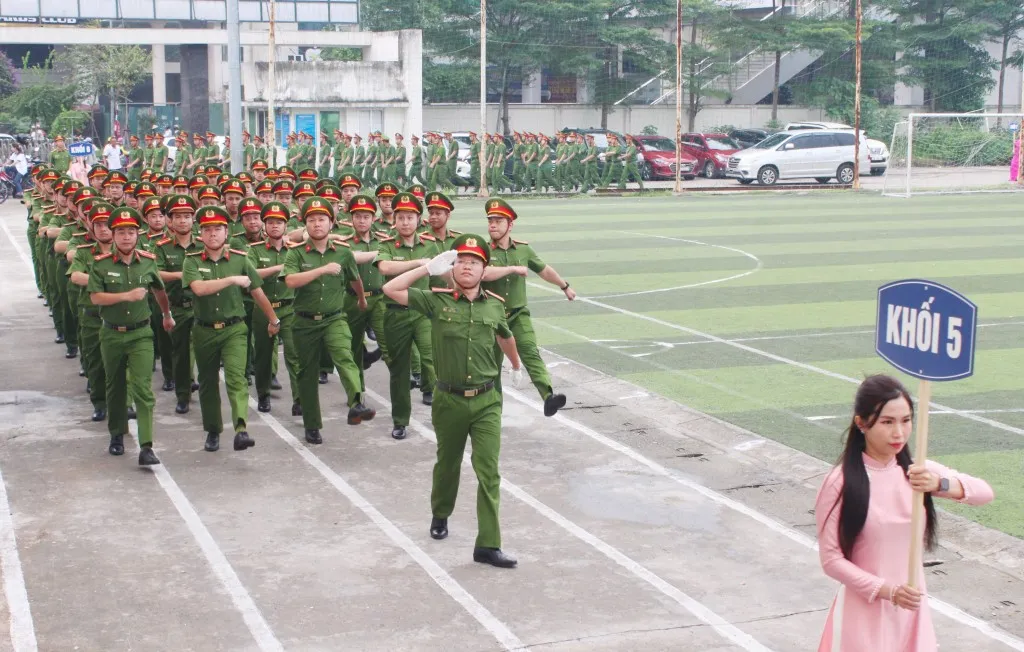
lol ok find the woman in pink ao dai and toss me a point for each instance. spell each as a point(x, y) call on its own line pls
point(863, 514)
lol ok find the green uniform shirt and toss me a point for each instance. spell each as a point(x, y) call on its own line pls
point(512, 288)
point(170, 257)
point(327, 293)
point(372, 278)
point(423, 247)
point(60, 160)
point(248, 156)
point(228, 303)
point(109, 273)
point(149, 241)
point(463, 333)
point(160, 158)
point(82, 262)
point(263, 255)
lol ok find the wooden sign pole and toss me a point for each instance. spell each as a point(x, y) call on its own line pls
point(924, 399)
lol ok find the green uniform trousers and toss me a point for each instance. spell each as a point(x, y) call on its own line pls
point(70, 309)
point(32, 233)
point(521, 325)
point(213, 346)
point(162, 348)
point(358, 320)
point(403, 328)
point(89, 327)
point(58, 299)
point(265, 350)
point(128, 365)
point(181, 353)
point(311, 336)
point(479, 418)
point(416, 173)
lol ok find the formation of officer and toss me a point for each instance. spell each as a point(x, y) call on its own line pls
point(213, 274)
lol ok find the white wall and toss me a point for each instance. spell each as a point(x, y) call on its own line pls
point(549, 118)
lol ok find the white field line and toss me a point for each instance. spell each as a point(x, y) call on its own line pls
point(771, 356)
point(938, 605)
point(448, 584)
point(246, 606)
point(701, 612)
point(23, 631)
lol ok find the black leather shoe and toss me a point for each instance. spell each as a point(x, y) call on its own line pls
point(131, 413)
point(416, 380)
point(168, 386)
point(428, 398)
point(116, 445)
point(275, 384)
point(369, 357)
point(313, 436)
point(438, 528)
point(553, 404)
point(398, 432)
point(494, 557)
point(99, 415)
point(359, 413)
point(181, 407)
point(147, 457)
point(243, 441)
point(296, 410)
point(369, 332)
point(195, 386)
point(59, 339)
point(263, 405)
point(81, 374)
point(212, 441)
point(39, 296)
point(72, 353)
point(323, 377)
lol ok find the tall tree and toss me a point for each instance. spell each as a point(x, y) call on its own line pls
point(705, 52)
point(8, 83)
point(1007, 19)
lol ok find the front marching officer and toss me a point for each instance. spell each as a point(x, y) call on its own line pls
point(466, 322)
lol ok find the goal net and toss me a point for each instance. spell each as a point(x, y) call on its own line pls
point(935, 153)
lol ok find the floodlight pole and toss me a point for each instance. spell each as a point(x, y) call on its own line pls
point(482, 191)
point(679, 93)
point(856, 98)
point(271, 69)
point(234, 86)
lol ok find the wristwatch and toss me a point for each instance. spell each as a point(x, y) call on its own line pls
point(276, 323)
point(565, 287)
point(943, 485)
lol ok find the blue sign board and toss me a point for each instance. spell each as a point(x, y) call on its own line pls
point(81, 149)
point(306, 123)
point(926, 330)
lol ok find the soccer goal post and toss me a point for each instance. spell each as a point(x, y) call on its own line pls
point(944, 153)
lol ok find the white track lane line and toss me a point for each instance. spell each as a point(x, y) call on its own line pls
point(701, 612)
point(243, 602)
point(23, 631)
point(480, 613)
point(938, 605)
point(770, 356)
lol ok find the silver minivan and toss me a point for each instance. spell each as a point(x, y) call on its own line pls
point(821, 155)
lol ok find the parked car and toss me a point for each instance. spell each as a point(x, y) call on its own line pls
point(659, 155)
point(878, 151)
point(822, 155)
point(712, 152)
point(748, 137)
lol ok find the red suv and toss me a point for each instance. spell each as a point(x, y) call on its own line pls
point(712, 152)
point(660, 158)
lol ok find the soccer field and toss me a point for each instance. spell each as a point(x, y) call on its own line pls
point(760, 309)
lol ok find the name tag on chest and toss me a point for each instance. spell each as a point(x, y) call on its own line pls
point(114, 274)
point(205, 270)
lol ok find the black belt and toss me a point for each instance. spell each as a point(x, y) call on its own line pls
point(281, 303)
point(317, 316)
point(464, 392)
point(515, 311)
point(183, 304)
point(126, 329)
point(397, 306)
point(217, 325)
point(367, 293)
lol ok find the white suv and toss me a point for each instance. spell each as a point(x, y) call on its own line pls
point(819, 154)
point(877, 150)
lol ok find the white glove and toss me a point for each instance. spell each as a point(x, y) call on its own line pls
point(517, 377)
point(442, 263)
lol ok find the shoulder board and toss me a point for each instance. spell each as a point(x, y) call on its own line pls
point(343, 243)
point(454, 232)
point(164, 241)
point(146, 254)
point(449, 290)
point(427, 236)
point(293, 245)
point(80, 234)
point(384, 238)
point(261, 242)
point(239, 252)
point(102, 256)
point(345, 237)
point(50, 209)
point(520, 241)
point(381, 234)
point(195, 253)
point(496, 296)
point(155, 235)
point(345, 223)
